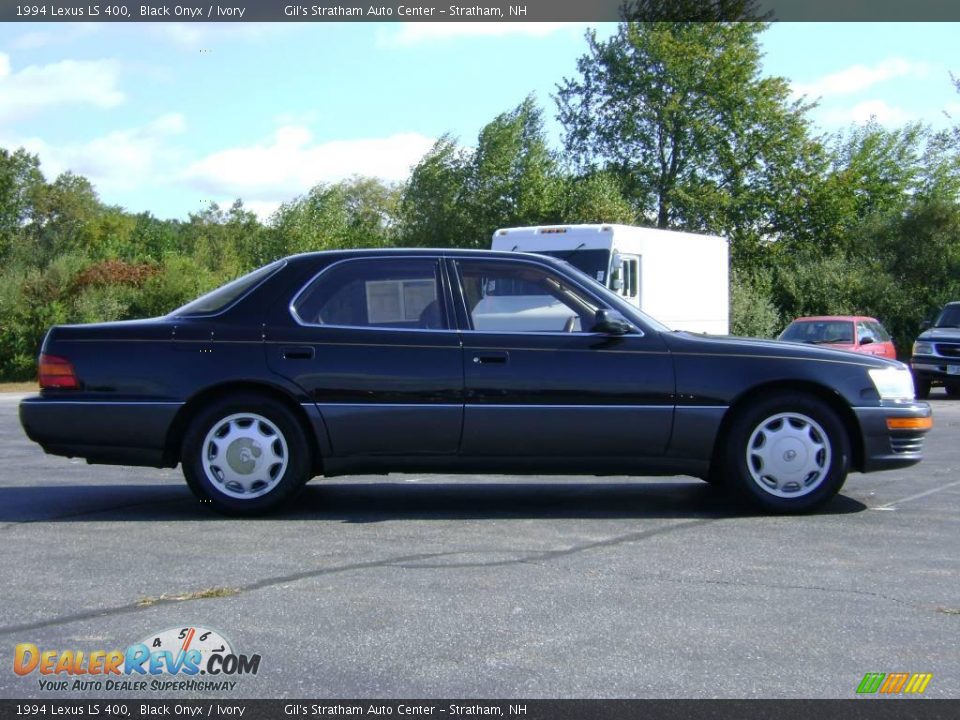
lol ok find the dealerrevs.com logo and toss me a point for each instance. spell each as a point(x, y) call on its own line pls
point(178, 659)
point(894, 683)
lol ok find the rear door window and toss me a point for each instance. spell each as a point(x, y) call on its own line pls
point(402, 294)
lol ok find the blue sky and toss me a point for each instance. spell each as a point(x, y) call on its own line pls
point(168, 117)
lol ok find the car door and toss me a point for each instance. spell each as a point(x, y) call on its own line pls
point(371, 342)
point(539, 382)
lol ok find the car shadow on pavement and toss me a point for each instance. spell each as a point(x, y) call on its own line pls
point(368, 502)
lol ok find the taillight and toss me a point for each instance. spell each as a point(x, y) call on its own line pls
point(56, 372)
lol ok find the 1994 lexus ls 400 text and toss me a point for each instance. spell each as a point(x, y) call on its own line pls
point(459, 361)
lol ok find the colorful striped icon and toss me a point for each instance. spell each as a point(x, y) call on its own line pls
point(894, 683)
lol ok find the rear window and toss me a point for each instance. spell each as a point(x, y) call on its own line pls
point(224, 296)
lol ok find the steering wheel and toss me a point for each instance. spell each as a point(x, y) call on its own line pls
point(571, 324)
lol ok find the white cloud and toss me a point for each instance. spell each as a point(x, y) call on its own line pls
point(411, 33)
point(290, 163)
point(119, 160)
point(67, 82)
point(860, 77)
point(863, 112)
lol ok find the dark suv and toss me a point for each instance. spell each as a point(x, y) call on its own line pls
point(936, 354)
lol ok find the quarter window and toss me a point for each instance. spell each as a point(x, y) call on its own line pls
point(383, 293)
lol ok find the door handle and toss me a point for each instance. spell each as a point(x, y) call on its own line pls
point(297, 353)
point(496, 358)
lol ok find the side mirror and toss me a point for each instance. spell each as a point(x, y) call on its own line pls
point(866, 340)
point(924, 325)
point(611, 322)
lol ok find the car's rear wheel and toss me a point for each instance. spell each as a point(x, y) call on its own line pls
point(246, 455)
point(787, 454)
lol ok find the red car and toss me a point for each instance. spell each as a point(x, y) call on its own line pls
point(843, 332)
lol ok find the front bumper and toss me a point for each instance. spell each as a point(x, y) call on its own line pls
point(936, 369)
point(885, 448)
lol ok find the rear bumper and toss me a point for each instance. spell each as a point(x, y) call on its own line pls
point(101, 431)
point(885, 449)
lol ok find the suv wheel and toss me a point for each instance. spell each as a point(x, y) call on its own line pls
point(921, 387)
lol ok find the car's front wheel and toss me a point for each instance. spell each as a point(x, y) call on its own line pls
point(246, 455)
point(787, 454)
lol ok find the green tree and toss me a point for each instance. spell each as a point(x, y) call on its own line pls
point(868, 172)
point(20, 180)
point(752, 310)
point(595, 198)
point(513, 177)
point(65, 218)
point(458, 198)
point(698, 138)
point(432, 204)
point(359, 212)
point(152, 239)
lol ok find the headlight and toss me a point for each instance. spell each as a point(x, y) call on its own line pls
point(892, 383)
point(922, 347)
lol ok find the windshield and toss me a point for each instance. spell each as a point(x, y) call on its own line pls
point(819, 332)
point(225, 295)
point(949, 317)
point(593, 263)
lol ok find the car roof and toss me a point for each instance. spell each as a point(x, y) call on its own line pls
point(827, 318)
point(338, 254)
point(449, 252)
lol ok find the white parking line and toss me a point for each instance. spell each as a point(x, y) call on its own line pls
point(887, 506)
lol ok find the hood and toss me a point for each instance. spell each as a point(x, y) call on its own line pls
point(944, 333)
point(730, 345)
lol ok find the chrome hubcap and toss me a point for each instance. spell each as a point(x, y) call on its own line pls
point(788, 455)
point(244, 455)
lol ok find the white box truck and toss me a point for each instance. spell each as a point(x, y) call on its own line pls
point(682, 279)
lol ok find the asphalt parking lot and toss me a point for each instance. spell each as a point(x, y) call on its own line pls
point(492, 587)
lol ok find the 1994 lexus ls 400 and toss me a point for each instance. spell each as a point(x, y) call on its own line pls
point(459, 361)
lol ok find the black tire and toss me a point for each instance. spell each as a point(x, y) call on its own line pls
point(260, 425)
point(715, 476)
point(953, 390)
point(921, 387)
point(810, 434)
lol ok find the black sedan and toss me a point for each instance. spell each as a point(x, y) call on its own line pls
point(455, 361)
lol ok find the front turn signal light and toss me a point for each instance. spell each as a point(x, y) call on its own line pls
point(899, 423)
